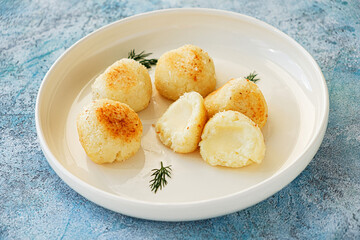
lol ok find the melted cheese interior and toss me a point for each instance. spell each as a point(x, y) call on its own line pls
point(178, 116)
point(239, 139)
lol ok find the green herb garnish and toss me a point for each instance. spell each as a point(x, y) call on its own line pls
point(252, 77)
point(141, 58)
point(159, 175)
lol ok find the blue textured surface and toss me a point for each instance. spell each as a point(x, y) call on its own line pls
point(323, 202)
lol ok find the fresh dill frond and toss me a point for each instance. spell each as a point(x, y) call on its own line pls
point(159, 177)
point(141, 58)
point(252, 77)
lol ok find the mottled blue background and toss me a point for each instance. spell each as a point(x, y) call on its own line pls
point(322, 203)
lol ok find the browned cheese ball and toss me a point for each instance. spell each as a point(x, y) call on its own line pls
point(109, 131)
point(239, 95)
point(186, 69)
point(126, 81)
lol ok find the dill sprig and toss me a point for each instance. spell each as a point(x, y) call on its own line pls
point(159, 175)
point(252, 77)
point(141, 58)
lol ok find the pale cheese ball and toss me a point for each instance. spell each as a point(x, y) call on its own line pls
point(126, 81)
point(109, 131)
point(239, 95)
point(231, 139)
point(180, 127)
point(186, 69)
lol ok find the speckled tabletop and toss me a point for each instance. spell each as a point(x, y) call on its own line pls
point(323, 202)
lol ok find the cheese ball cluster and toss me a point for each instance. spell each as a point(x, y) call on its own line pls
point(232, 137)
point(109, 128)
point(225, 123)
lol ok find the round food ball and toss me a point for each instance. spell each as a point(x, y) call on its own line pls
point(239, 95)
point(109, 131)
point(231, 139)
point(126, 81)
point(180, 127)
point(186, 69)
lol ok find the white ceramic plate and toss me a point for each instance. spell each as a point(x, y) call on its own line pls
point(291, 82)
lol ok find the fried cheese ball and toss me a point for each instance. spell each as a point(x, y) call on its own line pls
point(109, 131)
point(186, 69)
point(126, 81)
point(180, 127)
point(231, 139)
point(239, 95)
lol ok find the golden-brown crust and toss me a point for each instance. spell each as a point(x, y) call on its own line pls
point(191, 66)
point(186, 69)
point(126, 81)
point(250, 102)
point(239, 95)
point(120, 76)
point(119, 120)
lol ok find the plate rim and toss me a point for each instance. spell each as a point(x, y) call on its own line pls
point(89, 191)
